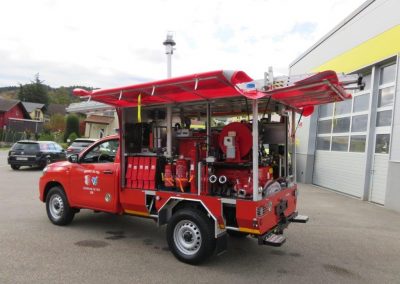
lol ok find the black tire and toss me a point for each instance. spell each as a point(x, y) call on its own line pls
point(45, 163)
point(237, 234)
point(15, 167)
point(191, 227)
point(57, 207)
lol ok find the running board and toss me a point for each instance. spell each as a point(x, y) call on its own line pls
point(299, 219)
point(274, 240)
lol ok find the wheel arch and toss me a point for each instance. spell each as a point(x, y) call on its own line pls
point(50, 185)
point(174, 204)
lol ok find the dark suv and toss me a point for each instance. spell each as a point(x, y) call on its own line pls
point(34, 153)
point(79, 144)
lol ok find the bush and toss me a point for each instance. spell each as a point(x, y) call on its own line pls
point(72, 126)
point(64, 145)
point(72, 137)
point(46, 137)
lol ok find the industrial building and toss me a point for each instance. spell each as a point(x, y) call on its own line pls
point(353, 146)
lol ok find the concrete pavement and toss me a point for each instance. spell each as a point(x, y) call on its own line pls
point(346, 241)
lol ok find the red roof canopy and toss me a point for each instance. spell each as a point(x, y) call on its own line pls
point(318, 89)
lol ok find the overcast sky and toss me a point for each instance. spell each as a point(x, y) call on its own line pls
point(112, 43)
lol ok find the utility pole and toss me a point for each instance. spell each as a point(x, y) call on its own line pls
point(169, 44)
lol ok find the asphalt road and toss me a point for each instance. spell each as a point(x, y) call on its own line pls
point(346, 241)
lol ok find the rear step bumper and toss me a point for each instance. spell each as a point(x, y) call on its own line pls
point(274, 240)
point(274, 237)
point(299, 219)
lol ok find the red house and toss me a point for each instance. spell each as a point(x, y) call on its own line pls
point(11, 109)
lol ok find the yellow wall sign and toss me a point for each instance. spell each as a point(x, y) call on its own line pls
point(373, 50)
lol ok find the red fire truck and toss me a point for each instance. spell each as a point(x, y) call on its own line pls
point(208, 155)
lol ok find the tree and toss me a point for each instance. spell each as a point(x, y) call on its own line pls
point(56, 123)
point(35, 92)
point(72, 126)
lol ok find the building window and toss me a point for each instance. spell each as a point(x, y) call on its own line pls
point(384, 118)
point(384, 108)
point(343, 107)
point(325, 110)
point(342, 126)
point(387, 74)
point(357, 143)
point(382, 143)
point(361, 103)
point(324, 143)
point(385, 96)
point(359, 123)
point(37, 114)
point(340, 143)
point(324, 126)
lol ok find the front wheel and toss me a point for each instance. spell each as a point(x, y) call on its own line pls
point(57, 207)
point(15, 167)
point(190, 236)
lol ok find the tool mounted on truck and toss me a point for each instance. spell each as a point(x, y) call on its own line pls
point(207, 154)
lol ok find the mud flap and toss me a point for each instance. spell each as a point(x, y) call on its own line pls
point(222, 243)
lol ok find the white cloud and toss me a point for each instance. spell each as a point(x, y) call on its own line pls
point(110, 43)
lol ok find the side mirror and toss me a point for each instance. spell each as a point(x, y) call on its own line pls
point(73, 158)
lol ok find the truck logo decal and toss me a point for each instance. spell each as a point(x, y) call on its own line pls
point(95, 180)
point(87, 180)
point(91, 183)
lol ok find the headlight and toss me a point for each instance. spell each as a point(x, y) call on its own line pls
point(45, 169)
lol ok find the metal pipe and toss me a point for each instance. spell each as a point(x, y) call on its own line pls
point(255, 151)
point(169, 130)
point(208, 128)
point(293, 140)
point(199, 169)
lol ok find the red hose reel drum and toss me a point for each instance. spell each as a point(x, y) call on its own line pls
point(243, 137)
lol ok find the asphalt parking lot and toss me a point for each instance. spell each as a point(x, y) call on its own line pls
point(346, 241)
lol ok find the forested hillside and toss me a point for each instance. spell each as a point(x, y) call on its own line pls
point(38, 92)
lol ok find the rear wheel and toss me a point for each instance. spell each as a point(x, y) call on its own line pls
point(190, 236)
point(57, 207)
point(15, 167)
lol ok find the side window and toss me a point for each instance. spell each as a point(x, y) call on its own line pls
point(102, 153)
point(57, 147)
point(51, 147)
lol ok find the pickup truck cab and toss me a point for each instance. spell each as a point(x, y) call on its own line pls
point(190, 155)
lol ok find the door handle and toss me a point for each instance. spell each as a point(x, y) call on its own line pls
point(107, 172)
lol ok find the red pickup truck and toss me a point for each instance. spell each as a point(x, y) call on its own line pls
point(190, 155)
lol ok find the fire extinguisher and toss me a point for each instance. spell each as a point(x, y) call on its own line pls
point(181, 177)
point(169, 175)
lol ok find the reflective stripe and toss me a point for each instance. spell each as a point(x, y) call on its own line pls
point(138, 213)
point(251, 231)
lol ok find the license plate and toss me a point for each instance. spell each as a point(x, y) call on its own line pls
point(22, 159)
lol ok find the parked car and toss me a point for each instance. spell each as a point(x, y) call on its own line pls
point(35, 153)
point(78, 145)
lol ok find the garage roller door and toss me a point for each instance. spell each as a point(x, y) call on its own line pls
point(343, 172)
